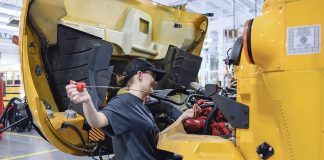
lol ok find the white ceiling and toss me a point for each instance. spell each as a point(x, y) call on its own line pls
point(227, 14)
point(9, 12)
point(220, 8)
point(9, 23)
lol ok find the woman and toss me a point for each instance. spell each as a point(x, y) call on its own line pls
point(125, 118)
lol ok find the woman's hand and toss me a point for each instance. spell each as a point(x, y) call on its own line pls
point(76, 96)
point(191, 113)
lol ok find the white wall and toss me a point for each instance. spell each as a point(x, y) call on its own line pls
point(9, 54)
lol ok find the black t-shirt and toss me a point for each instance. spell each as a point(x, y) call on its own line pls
point(132, 128)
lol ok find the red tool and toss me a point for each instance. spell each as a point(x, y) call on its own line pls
point(81, 85)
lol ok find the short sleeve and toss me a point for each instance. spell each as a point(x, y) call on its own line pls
point(118, 119)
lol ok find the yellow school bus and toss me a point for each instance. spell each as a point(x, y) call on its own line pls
point(12, 84)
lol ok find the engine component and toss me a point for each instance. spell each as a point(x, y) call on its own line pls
point(210, 121)
point(219, 129)
point(194, 125)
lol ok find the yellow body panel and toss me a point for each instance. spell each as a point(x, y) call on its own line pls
point(68, 133)
point(284, 91)
point(191, 147)
point(36, 89)
point(113, 20)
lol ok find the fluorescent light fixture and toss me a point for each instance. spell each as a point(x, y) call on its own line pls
point(13, 23)
point(10, 10)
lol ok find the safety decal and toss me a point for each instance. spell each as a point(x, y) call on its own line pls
point(304, 40)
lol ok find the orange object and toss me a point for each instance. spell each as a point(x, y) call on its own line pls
point(247, 41)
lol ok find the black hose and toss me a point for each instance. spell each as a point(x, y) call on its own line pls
point(3, 115)
point(166, 98)
point(73, 127)
point(207, 105)
point(4, 129)
point(197, 95)
point(211, 115)
point(189, 105)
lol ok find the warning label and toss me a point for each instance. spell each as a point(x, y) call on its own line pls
point(304, 40)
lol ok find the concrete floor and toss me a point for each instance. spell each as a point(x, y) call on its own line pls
point(30, 146)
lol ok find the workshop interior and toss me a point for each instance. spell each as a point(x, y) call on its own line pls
point(254, 68)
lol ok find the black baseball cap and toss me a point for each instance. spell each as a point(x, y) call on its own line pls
point(142, 65)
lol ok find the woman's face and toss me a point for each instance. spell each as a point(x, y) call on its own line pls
point(146, 80)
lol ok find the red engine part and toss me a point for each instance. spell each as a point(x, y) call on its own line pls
point(205, 111)
point(200, 102)
point(196, 125)
point(219, 129)
point(220, 117)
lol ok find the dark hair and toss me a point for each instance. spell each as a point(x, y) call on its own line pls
point(120, 79)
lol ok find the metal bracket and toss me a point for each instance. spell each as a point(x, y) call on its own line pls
point(236, 113)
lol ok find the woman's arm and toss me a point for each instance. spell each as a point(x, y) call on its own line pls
point(94, 118)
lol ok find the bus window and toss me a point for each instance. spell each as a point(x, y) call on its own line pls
point(17, 78)
point(9, 78)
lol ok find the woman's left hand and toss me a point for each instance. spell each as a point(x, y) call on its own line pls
point(191, 113)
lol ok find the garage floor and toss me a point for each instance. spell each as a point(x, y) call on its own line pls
point(30, 146)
